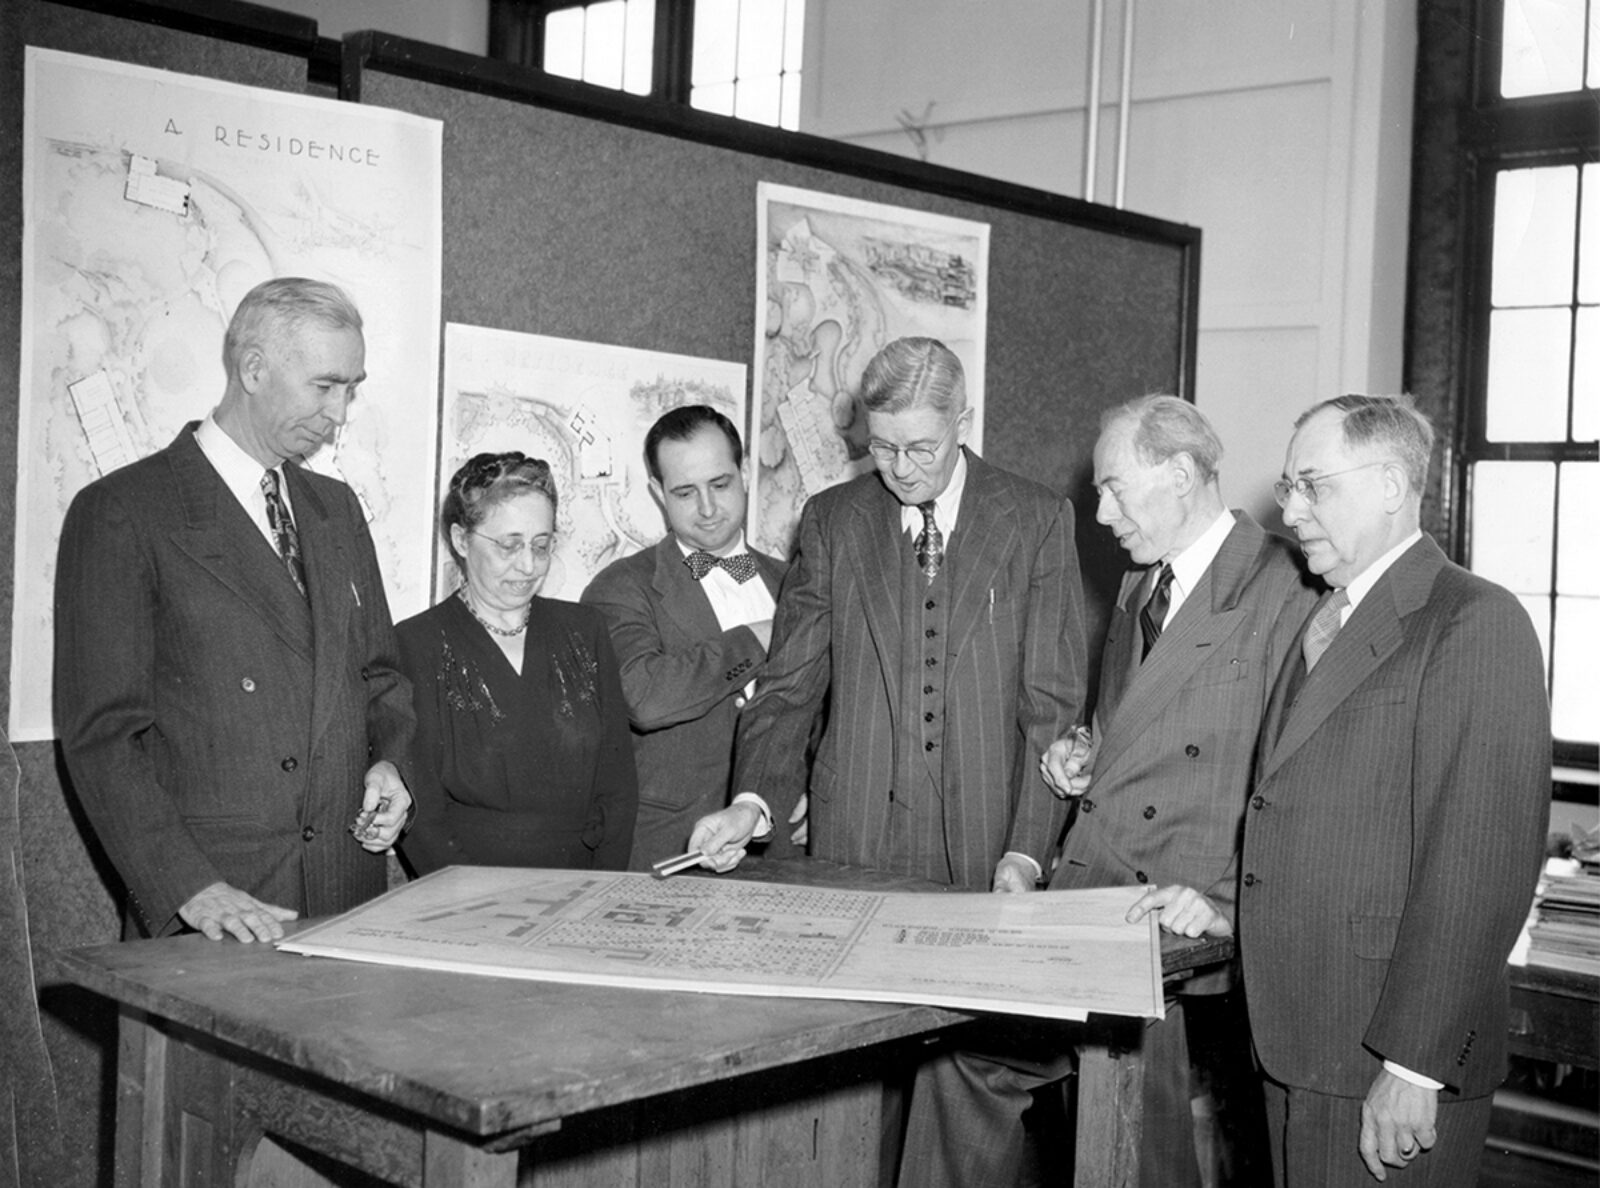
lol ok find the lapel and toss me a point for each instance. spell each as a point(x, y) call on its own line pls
point(875, 532)
point(1375, 630)
point(1208, 617)
point(986, 533)
point(219, 536)
point(680, 597)
point(331, 584)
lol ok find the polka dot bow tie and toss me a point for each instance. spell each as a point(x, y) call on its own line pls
point(742, 566)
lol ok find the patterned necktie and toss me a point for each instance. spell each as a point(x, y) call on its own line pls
point(283, 530)
point(1153, 616)
point(1324, 626)
point(740, 566)
point(929, 543)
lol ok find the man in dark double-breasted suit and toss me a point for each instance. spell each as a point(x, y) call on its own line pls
point(225, 684)
point(690, 619)
point(936, 609)
point(1202, 620)
point(1395, 834)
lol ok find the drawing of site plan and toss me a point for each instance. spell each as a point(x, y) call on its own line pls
point(584, 408)
point(1058, 954)
point(836, 280)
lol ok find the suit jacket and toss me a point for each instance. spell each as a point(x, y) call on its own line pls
point(215, 725)
point(1177, 733)
point(1014, 680)
point(683, 678)
point(1391, 849)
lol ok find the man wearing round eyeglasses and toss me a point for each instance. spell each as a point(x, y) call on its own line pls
point(935, 610)
point(1395, 833)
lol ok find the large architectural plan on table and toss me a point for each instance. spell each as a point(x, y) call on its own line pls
point(1054, 954)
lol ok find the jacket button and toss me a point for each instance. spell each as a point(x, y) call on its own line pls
point(1088, 805)
point(1249, 880)
point(929, 605)
point(1149, 811)
point(931, 661)
point(738, 702)
point(1258, 802)
point(290, 763)
point(1141, 876)
point(928, 717)
point(366, 673)
point(1192, 751)
point(308, 834)
point(929, 633)
point(927, 688)
point(248, 685)
point(927, 746)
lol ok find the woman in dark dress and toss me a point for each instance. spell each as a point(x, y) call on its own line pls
point(522, 755)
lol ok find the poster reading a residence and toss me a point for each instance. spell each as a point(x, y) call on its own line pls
point(584, 408)
point(1054, 954)
point(836, 279)
point(152, 203)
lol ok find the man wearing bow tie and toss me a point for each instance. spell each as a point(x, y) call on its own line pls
point(690, 620)
point(935, 610)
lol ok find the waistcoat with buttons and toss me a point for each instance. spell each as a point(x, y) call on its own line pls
point(925, 613)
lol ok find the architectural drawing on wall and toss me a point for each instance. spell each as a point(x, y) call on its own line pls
point(837, 279)
point(152, 203)
point(1055, 955)
point(583, 407)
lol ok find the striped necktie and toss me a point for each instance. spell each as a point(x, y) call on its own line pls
point(1324, 626)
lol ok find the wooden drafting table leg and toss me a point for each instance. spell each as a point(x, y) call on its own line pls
point(450, 1163)
point(1110, 1091)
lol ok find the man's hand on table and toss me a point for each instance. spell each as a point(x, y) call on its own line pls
point(723, 835)
point(1014, 874)
point(222, 908)
point(1183, 912)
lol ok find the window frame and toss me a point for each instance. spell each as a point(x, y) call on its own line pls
point(516, 34)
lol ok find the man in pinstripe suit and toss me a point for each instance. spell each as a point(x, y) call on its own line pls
point(1391, 848)
point(1204, 616)
point(226, 688)
point(936, 609)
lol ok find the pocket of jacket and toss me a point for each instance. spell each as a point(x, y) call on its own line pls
point(823, 779)
point(1373, 937)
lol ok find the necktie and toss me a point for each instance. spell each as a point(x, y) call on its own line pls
point(741, 566)
point(1324, 626)
point(929, 543)
point(283, 530)
point(1154, 614)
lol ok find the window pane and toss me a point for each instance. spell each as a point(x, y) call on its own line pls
point(602, 44)
point(716, 31)
point(717, 98)
point(757, 99)
point(1534, 211)
point(1577, 559)
point(1528, 355)
point(1589, 230)
point(1543, 49)
point(640, 39)
point(1574, 693)
point(1513, 516)
point(761, 40)
point(563, 42)
point(1586, 377)
point(794, 36)
point(790, 117)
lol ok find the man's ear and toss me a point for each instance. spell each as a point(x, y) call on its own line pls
point(1184, 472)
point(1396, 486)
point(253, 367)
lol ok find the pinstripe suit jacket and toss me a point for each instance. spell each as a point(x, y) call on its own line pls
point(1014, 677)
point(1391, 849)
point(1177, 733)
point(214, 724)
point(683, 677)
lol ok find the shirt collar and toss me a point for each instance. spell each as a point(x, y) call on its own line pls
point(1189, 566)
point(239, 472)
point(945, 505)
point(1361, 585)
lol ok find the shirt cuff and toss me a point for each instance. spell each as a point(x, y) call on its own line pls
point(1038, 873)
point(1405, 1074)
point(763, 826)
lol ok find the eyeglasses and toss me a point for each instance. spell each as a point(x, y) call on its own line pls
point(1308, 489)
point(509, 550)
point(919, 455)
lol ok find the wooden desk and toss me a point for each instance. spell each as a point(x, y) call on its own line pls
point(1555, 1015)
point(437, 1079)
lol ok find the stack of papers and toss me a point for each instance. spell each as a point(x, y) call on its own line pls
point(1566, 922)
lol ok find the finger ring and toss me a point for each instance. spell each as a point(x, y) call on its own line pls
point(1407, 1152)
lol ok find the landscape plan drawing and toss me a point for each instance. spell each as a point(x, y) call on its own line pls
point(1053, 954)
point(152, 202)
point(837, 279)
point(585, 408)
